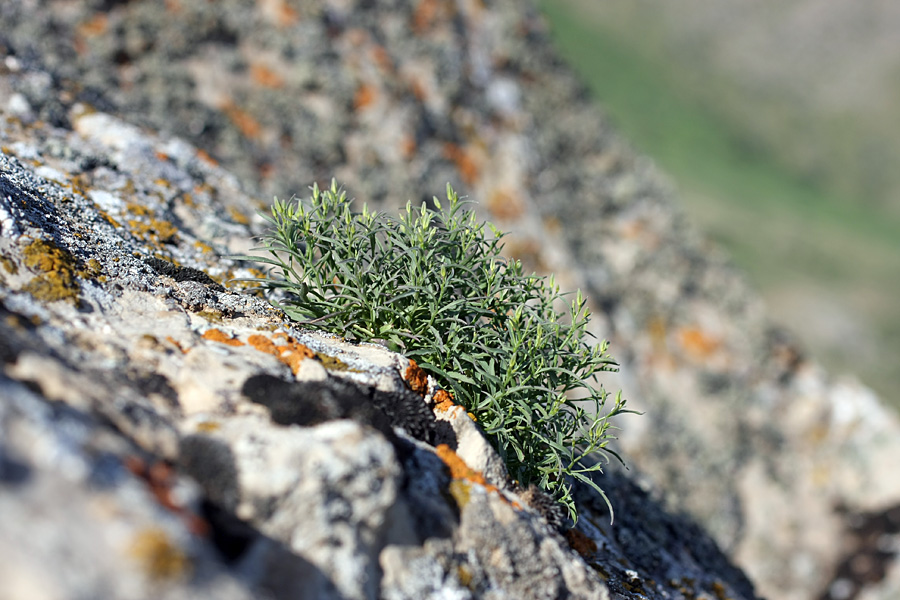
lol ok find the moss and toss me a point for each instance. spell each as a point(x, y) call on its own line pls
point(56, 279)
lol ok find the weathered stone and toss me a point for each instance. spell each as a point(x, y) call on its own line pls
point(169, 436)
point(774, 457)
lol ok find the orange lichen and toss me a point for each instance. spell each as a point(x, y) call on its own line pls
point(581, 543)
point(160, 479)
point(465, 163)
point(265, 76)
point(278, 12)
point(505, 205)
point(408, 146)
point(291, 354)
point(177, 344)
point(461, 472)
point(429, 11)
point(697, 343)
point(458, 468)
point(217, 335)
point(365, 96)
point(418, 89)
point(205, 157)
point(56, 280)
point(416, 377)
point(443, 401)
point(381, 57)
point(263, 344)
point(241, 119)
point(94, 26)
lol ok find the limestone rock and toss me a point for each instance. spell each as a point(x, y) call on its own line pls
point(166, 434)
point(776, 458)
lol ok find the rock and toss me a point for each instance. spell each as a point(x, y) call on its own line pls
point(776, 458)
point(164, 433)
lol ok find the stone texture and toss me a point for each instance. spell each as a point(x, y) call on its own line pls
point(774, 457)
point(166, 434)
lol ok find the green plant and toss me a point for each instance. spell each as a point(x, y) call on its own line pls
point(432, 283)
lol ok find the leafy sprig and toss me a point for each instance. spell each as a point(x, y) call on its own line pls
point(434, 285)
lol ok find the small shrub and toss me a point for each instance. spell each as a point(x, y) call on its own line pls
point(433, 284)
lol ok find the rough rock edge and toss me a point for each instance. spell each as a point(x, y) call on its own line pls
point(148, 362)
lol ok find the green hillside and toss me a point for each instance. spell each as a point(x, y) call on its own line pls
point(829, 266)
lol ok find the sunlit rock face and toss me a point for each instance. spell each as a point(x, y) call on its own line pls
point(135, 133)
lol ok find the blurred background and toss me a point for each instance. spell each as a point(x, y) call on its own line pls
point(779, 122)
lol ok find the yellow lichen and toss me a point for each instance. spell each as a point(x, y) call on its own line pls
point(237, 216)
point(108, 218)
point(203, 247)
point(156, 230)
point(211, 315)
point(92, 270)
point(56, 278)
point(138, 209)
point(465, 576)
point(460, 492)
point(8, 265)
point(333, 363)
point(718, 588)
point(158, 556)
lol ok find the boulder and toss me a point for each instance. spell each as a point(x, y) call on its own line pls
point(788, 467)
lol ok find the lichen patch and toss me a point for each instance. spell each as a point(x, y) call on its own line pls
point(56, 272)
point(217, 335)
point(416, 377)
point(292, 353)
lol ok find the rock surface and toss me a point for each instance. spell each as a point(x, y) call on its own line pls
point(163, 436)
point(791, 470)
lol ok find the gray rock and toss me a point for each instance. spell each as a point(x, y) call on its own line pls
point(776, 458)
point(165, 435)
